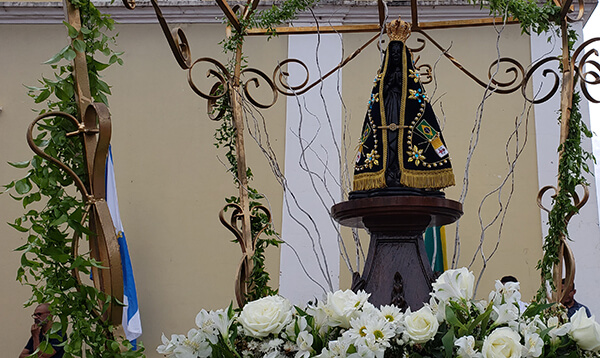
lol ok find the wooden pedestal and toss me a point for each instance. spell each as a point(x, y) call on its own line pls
point(397, 269)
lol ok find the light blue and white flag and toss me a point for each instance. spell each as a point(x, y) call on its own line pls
point(131, 313)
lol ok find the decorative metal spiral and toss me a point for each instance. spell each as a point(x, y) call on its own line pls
point(555, 77)
point(587, 68)
point(94, 131)
point(565, 253)
point(248, 248)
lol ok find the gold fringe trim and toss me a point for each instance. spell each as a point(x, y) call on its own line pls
point(438, 179)
point(368, 181)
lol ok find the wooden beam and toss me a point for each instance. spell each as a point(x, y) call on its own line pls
point(230, 14)
point(375, 28)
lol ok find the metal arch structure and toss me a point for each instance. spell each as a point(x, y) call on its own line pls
point(579, 68)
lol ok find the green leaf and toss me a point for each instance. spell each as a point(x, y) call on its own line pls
point(69, 54)
point(61, 220)
point(448, 342)
point(102, 86)
point(23, 186)
point(18, 227)
point(453, 320)
point(42, 96)
point(58, 56)
point(20, 164)
point(73, 33)
point(79, 45)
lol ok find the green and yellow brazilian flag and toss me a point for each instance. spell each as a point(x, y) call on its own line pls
point(435, 245)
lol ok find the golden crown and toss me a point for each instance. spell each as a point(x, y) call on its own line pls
point(398, 30)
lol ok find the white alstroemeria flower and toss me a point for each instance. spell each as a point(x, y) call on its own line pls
point(481, 305)
point(505, 313)
point(206, 324)
point(168, 346)
point(184, 351)
point(342, 306)
point(502, 343)
point(320, 316)
point(558, 331)
point(196, 340)
point(274, 354)
point(267, 315)
point(271, 345)
point(290, 330)
point(335, 349)
point(368, 350)
point(304, 343)
point(454, 284)
point(534, 345)
point(222, 321)
point(438, 308)
point(421, 326)
point(506, 293)
point(585, 331)
point(466, 347)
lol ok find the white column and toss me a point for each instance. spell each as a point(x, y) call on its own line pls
point(583, 227)
point(310, 259)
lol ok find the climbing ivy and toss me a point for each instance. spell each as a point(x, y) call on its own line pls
point(571, 167)
point(54, 214)
point(258, 281)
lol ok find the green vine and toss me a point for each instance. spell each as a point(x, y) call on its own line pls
point(532, 16)
point(258, 281)
point(570, 174)
point(541, 18)
point(53, 215)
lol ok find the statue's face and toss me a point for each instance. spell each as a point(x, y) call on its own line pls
point(395, 52)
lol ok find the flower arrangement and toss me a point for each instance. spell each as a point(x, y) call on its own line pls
point(345, 324)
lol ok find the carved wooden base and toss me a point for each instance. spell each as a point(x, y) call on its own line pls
point(397, 269)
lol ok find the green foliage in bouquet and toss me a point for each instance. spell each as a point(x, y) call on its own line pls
point(54, 214)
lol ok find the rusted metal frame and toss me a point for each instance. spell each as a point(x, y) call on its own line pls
point(80, 73)
point(414, 13)
point(565, 8)
point(230, 14)
point(278, 72)
point(95, 129)
point(518, 68)
point(175, 38)
point(238, 120)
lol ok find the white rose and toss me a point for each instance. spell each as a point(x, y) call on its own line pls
point(454, 284)
point(422, 325)
point(502, 343)
point(265, 316)
point(342, 306)
point(585, 331)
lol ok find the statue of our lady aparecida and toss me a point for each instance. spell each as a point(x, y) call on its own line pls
point(401, 149)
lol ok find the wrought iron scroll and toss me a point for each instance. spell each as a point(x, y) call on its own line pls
point(565, 254)
point(248, 247)
point(94, 129)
